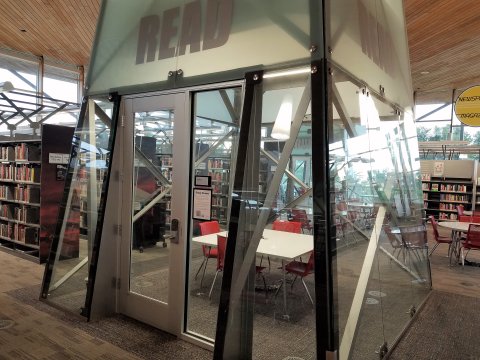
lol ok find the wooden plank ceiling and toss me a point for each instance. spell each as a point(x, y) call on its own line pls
point(444, 42)
point(444, 37)
point(59, 29)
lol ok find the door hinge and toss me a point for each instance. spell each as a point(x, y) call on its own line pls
point(118, 229)
point(116, 283)
point(122, 120)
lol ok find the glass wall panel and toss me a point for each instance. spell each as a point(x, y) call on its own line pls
point(271, 305)
point(65, 283)
point(22, 73)
point(176, 42)
point(368, 39)
point(216, 124)
point(152, 186)
point(60, 83)
point(382, 262)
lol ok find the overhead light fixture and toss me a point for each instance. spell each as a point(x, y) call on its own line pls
point(283, 122)
point(290, 72)
point(369, 116)
point(363, 105)
point(6, 86)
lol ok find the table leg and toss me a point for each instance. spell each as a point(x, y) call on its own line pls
point(285, 313)
point(454, 246)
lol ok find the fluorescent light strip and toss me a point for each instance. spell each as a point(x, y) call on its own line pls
point(286, 73)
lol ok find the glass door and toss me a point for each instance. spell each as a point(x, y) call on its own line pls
point(152, 260)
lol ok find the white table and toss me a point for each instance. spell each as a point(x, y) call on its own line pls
point(457, 228)
point(280, 244)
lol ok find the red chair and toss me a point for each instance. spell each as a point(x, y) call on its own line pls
point(288, 226)
point(472, 241)
point(300, 269)
point(299, 215)
point(221, 247)
point(206, 228)
point(439, 239)
point(460, 210)
point(472, 219)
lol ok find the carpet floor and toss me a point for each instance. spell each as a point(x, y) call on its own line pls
point(442, 330)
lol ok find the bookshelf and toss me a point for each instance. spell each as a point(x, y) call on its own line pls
point(30, 191)
point(218, 168)
point(441, 196)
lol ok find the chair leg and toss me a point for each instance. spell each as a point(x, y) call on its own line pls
point(306, 289)
point(213, 283)
point(278, 290)
point(293, 282)
point(200, 268)
point(433, 249)
point(463, 257)
point(204, 269)
point(265, 287)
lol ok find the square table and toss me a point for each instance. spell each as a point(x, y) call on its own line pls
point(280, 244)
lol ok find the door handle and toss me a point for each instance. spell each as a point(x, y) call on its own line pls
point(175, 231)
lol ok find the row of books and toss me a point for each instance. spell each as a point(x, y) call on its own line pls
point(449, 187)
point(27, 214)
point(19, 173)
point(27, 173)
point(443, 206)
point(18, 232)
point(445, 216)
point(453, 197)
point(20, 193)
point(218, 164)
point(27, 152)
point(20, 213)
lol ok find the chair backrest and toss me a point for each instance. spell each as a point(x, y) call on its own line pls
point(206, 228)
point(288, 226)
point(467, 218)
point(473, 235)
point(414, 235)
point(310, 263)
point(459, 210)
point(434, 227)
point(299, 215)
point(394, 240)
point(221, 246)
point(209, 227)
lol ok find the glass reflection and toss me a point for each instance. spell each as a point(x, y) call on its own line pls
point(88, 167)
point(216, 120)
point(382, 262)
point(152, 168)
point(273, 281)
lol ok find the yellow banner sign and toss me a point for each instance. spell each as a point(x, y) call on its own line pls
point(467, 106)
